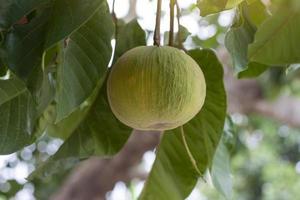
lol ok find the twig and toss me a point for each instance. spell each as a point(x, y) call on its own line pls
point(171, 33)
point(156, 37)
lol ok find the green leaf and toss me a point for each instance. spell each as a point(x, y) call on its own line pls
point(257, 12)
point(100, 134)
point(18, 116)
point(220, 170)
point(277, 39)
point(221, 173)
point(184, 33)
point(84, 62)
point(68, 15)
point(44, 120)
point(24, 45)
point(237, 40)
point(41, 85)
point(64, 128)
point(253, 70)
point(129, 35)
point(184, 154)
point(12, 10)
point(208, 7)
point(43, 97)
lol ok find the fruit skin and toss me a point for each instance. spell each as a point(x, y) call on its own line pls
point(155, 88)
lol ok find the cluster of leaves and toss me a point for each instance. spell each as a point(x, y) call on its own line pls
point(55, 57)
point(264, 36)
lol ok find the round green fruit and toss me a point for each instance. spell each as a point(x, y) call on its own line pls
point(155, 88)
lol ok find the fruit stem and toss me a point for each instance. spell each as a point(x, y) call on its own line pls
point(156, 37)
point(171, 33)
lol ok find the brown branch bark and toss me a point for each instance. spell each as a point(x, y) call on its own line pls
point(286, 110)
point(93, 178)
point(245, 97)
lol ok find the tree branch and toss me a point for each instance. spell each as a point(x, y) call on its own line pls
point(95, 177)
point(286, 110)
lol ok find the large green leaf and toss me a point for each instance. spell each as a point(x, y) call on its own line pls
point(100, 134)
point(277, 39)
point(18, 116)
point(12, 10)
point(185, 153)
point(214, 6)
point(24, 45)
point(128, 36)
point(84, 62)
point(67, 16)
